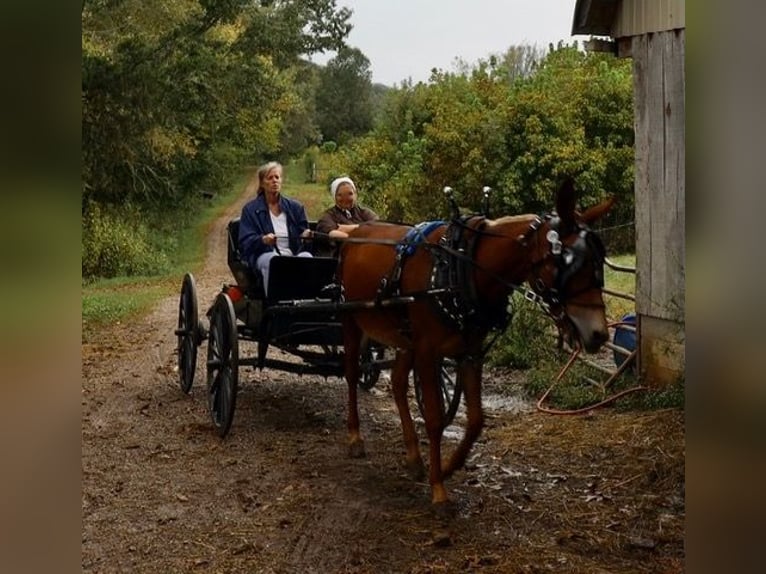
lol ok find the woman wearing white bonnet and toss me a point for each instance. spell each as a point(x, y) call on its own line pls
point(346, 215)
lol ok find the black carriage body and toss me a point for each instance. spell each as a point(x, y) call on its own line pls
point(300, 317)
point(299, 311)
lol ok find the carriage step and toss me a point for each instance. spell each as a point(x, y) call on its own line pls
point(332, 291)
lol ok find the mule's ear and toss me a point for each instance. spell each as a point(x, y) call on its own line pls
point(597, 211)
point(565, 203)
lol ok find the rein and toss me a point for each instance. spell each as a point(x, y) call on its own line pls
point(391, 242)
point(465, 305)
point(528, 293)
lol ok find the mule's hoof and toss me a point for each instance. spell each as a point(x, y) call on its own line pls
point(441, 538)
point(416, 470)
point(356, 450)
point(445, 511)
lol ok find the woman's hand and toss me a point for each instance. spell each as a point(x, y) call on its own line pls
point(269, 239)
point(347, 228)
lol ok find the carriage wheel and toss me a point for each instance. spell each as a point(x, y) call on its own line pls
point(187, 333)
point(222, 364)
point(451, 391)
point(369, 354)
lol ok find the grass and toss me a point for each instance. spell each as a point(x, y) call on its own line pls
point(574, 391)
point(314, 196)
point(528, 344)
point(620, 281)
point(110, 301)
point(119, 300)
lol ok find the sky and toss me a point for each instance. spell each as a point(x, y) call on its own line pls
point(407, 38)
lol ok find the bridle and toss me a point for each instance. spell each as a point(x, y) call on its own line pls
point(567, 260)
point(452, 274)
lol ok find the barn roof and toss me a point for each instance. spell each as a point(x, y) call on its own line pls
point(620, 18)
point(594, 17)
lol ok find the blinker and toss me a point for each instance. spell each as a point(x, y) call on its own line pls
point(553, 238)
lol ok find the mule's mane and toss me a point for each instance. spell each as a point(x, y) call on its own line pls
point(509, 219)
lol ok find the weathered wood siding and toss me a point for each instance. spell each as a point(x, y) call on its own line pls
point(658, 82)
point(660, 183)
point(638, 17)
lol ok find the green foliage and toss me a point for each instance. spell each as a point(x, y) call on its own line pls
point(622, 282)
point(671, 397)
point(517, 123)
point(176, 96)
point(528, 340)
point(117, 243)
point(574, 391)
point(329, 147)
point(310, 159)
point(180, 234)
point(299, 127)
point(313, 195)
point(104, 306)
point(344, 96)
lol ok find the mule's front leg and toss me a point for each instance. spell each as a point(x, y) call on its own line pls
point(400, 386)
point(352, 337)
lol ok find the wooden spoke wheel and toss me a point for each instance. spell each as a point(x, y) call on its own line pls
point(222, 364)
point(187, 333)
point(369, 357)
point(450, 394)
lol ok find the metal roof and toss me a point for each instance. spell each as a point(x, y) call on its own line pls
point(594, 17)
point(620, 18)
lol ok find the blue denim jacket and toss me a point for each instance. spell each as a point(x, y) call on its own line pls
point(255, 222)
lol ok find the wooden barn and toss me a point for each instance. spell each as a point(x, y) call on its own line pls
point(652, 34)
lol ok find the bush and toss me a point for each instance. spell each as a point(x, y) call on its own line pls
point(117, 244)
point(527, 341)
point(329, 147)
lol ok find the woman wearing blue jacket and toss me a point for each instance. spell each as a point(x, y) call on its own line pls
point(272, 224)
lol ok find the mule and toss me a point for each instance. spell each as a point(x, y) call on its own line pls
point(456, 282)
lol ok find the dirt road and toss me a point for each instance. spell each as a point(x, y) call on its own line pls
point(162, 493)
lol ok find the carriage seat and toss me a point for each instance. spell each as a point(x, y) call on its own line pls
point(290, 277)
point(248, 279)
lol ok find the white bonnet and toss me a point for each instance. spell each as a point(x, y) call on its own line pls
point(337, 182)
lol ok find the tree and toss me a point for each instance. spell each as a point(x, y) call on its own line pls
point(344, 96)
point(518, 130)
point(177, 95)
point(299, 128)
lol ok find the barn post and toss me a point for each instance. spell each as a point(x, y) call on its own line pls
point(653, 35)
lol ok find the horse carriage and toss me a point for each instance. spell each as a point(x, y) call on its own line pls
point(301, 317)
point(431, 294)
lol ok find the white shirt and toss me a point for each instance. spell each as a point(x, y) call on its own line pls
point(279, 222)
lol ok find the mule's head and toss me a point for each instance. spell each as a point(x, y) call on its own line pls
point(570, 275)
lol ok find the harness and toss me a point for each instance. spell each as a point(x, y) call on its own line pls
point(389, 286)
point(452, 288)
point(567, 262)
point(452, 281)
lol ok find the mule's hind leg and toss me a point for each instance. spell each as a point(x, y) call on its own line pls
point(400, 386)
point(352, 337)
point(469, 372)
point(427, 368)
